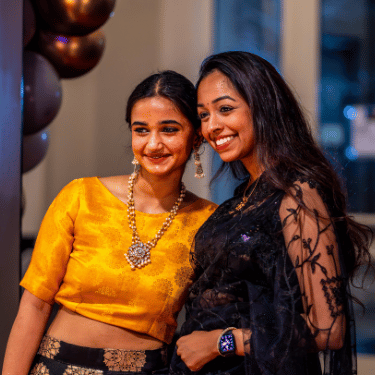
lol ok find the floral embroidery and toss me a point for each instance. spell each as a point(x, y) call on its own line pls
point(334, 293)
point(183, 276)
point(179, 253)
point(124, 360)
point(155, 268)
point(163, 287)
point(49, 347)
point(39, 369)
point(106, 291)
point(76, 370)
point(333, 287)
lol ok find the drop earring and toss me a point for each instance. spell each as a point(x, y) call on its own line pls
point(198, 165)
point(136, 164)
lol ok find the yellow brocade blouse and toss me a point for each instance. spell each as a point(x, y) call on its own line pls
point(78, 260)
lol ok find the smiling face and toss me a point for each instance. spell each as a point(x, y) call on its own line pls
point(226, 120)
point(162, 137)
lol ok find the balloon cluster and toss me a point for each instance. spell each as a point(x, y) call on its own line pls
point(61, 39)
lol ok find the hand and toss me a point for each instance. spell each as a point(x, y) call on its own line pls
point(198, 348)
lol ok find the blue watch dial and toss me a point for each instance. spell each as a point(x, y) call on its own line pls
point(227, 343)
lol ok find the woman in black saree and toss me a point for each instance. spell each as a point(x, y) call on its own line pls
point(273, 263)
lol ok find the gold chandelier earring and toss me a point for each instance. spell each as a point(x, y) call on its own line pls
point(198, 165)
point(136, 164)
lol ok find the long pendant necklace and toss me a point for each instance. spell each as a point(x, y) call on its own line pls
point(245, 199)
point(138, 254)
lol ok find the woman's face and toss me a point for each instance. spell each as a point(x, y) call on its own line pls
point(162, 137)
point(226, 119)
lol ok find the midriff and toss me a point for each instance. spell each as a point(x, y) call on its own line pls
point(76, 329)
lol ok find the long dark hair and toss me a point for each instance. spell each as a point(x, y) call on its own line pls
point(284, 142)
point(170, 85)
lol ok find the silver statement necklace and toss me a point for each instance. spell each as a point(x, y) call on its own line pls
point(138, 254)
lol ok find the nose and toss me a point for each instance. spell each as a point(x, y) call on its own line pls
point(213, 125)
point(154, 142)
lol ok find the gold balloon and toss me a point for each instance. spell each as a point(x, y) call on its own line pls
point(72, 56)
point(74, 17)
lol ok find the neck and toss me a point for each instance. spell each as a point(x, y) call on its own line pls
point(252, 166)
point(254, 169)
point(156, 194)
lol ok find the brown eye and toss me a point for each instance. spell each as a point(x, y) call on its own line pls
point(140, 130)
point(226, 108)
point(170, 129)
point(202, 115)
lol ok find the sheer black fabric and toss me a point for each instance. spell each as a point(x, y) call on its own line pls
point(274, 268)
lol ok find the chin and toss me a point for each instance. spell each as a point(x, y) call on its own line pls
point(227, 158)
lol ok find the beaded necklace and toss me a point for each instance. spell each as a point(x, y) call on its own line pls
point(138, 254)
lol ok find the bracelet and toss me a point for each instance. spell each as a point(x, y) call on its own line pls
point(221, 335)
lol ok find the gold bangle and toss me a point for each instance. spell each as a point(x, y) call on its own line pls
point(223, 333)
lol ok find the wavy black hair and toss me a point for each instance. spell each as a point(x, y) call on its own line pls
point(170, 85)
point(284, 142)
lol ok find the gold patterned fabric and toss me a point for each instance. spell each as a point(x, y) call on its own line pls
point(39, 369)
point(124, 360)
point(78, 260)
point(77, 370)
point(70, 359)
point(49, 347)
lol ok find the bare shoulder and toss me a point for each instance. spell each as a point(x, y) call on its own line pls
point(117, 185)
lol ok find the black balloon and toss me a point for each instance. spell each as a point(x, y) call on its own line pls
point(42, 92)
point(34, 149)
point(74, 17)
point(29, 22)
point(72, 56)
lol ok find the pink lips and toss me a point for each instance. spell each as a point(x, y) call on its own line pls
point(224, 145)
point(157, 159)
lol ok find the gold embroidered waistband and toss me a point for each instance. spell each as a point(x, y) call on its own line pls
point(124, 360)
point(103, 359)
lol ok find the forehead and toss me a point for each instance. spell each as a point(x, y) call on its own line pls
point(215, 84)
point(153, 106)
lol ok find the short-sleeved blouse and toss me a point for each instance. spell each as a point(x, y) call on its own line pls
point(78, 260)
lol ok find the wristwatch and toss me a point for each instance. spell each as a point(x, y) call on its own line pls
point(226, 343)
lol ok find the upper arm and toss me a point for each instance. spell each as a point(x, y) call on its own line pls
point(53, 245)
point(312, 247)
point(30, 302)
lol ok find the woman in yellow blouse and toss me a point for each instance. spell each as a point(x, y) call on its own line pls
point(113, 252)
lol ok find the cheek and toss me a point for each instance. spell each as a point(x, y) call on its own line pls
point(182, 147)
point(204, 130)
point(136, 144)
point(183, 143)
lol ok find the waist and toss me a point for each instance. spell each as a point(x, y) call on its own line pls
point(77, 329)
point(102, 358)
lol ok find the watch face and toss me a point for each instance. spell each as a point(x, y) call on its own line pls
point(227, 344)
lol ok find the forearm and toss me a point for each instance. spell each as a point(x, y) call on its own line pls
point(25, 337)
point(201, 347)
point(239, 336)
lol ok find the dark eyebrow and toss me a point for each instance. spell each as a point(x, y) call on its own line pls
point(139, 123)
point(218, 99)
point(164, 122)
